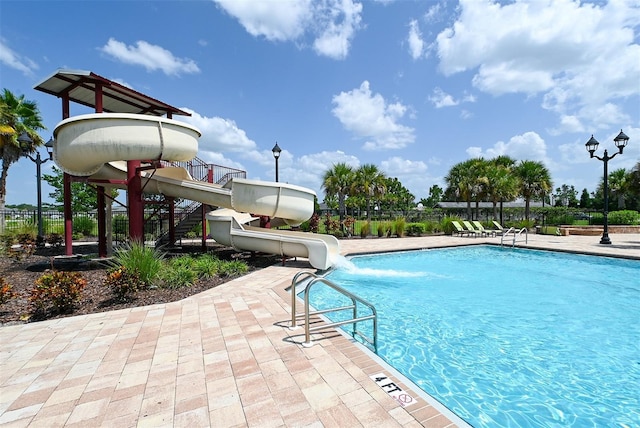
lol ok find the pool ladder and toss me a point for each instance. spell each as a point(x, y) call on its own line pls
point(314, 279)
point(515, 236)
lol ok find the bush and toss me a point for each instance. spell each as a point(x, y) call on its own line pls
point(233, 268)
point(144, 262)
point(415, 229)
point(55, 239)
point(178, 276)
point(84, 226)
point(207, 266)
point(626, 217)
point(431, 227)
point(56, 290)
point(399, 225)
point(446, 225)
point(383, 228)
point(365, 230)
point(6, 291)
point(122, 282)
point(26, 245)
point(330, 224)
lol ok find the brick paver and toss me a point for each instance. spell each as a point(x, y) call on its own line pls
point(223, 358)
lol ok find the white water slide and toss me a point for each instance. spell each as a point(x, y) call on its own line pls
point(98, 145)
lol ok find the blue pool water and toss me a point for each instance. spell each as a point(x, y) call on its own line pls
point(507, 337)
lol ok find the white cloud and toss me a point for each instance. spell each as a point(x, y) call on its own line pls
point(338, 26)
point(151, 57)
point(218, 134)
point(369, 116)
point(331, 23)
point(274, 20)
point(13, 60)
point(441, 99)
point(412, 174)
point(528, 146)
point(416, 44)
point(581, 56)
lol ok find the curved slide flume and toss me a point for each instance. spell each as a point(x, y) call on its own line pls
point(231, 228)
point(97, 145)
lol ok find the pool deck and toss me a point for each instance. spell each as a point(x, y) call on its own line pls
point(223, 358)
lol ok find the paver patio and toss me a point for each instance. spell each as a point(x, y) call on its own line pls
point(223, 358)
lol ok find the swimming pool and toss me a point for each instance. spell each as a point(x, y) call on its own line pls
point(507, 337)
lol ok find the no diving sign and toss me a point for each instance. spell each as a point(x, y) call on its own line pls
point(392, 389)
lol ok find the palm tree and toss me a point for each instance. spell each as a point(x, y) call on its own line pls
point(535, 182)
point(618, 185)
point(501, 183)
point(370, 183)
point(17, 115)
point(336, 183)
point(465, 181)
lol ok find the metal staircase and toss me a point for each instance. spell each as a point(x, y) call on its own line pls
point(189, 213)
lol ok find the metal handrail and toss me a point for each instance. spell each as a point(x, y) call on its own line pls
point(515, 235)
point(294, 283)
point(354, 307)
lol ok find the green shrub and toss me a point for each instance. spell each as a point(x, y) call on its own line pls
point(447, 227)
point(56, 290)
point(144, 262)
point(399, 226)
point(178, 276)
point(190, 235)
point(384, 229)
point(207, 266)
point(431, 227)
point(365, 230)
point(624, 217)
point(233, 268)
point(84, 226)
point(415, 229)
point(525, 224)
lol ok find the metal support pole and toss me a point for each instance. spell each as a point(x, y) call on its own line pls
point(605, 234)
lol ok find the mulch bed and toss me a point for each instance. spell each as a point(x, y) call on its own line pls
point(22, 274)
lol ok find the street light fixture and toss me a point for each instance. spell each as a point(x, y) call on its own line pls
point(592, 145)
point(25, 144)
point(276, 155)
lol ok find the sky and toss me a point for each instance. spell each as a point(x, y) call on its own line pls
point(413, 87)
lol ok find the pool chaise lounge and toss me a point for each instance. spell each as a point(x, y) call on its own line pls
point(484, 231)
point(460, 231)
point(471, 229)
point(499, 229)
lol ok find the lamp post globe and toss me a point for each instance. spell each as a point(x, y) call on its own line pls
point(276, 155)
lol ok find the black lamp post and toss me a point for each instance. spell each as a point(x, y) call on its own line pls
point(592, 145)
point(25, 143)
point(276, 154)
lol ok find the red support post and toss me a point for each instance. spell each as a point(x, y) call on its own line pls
point(68, 215)
point(135, 202)
point(102, 228)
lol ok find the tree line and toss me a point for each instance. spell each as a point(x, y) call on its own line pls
point(497, 180)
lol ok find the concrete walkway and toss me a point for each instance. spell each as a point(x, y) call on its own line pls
point(223, 358)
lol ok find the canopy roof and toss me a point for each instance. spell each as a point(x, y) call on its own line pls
point(80, 86)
